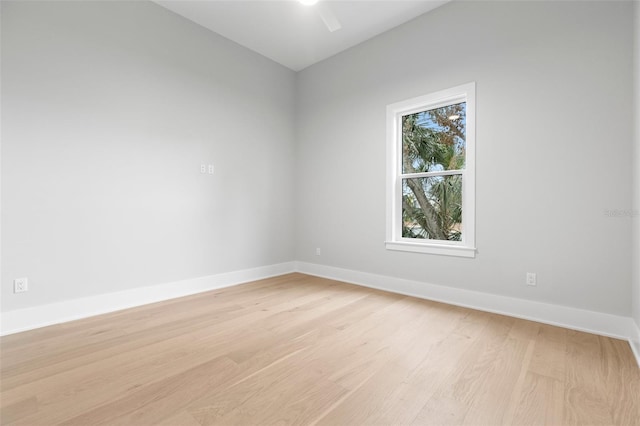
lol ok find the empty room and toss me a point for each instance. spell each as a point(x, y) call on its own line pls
point(320, 212)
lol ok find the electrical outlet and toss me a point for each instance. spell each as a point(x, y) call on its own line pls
point(532, 279)
point(318, 251)
point(203, 168)
point(20, 285)
point(211, 169)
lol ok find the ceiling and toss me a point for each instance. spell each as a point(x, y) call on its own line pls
point(296, 35)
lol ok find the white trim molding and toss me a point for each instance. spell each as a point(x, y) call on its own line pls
point(634, 341)
point(603, 324)
point(70, 310)
point(576, 319)
point(447, 250)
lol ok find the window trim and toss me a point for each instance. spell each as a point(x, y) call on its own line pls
point(395, 112)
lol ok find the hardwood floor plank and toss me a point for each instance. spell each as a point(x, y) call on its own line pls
point(465, 385)
point(518, 388)
point(152, 403)
point(540, 401)
point(445, 347)
point(586, 399)
point(19, 409)
point(550, 352)
point(182, 418)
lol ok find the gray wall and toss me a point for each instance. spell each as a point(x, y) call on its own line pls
point(636, 187)
point(554, 125)
point(108, 109)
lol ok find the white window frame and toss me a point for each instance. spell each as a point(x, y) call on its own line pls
point(395, 112)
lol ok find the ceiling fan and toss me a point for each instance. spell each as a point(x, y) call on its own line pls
point(326, 14)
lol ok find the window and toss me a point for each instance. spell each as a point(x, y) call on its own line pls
point(431, 173)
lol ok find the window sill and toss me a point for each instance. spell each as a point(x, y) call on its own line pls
point(441, 249)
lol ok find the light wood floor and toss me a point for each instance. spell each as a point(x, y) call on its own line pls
point(303, 350)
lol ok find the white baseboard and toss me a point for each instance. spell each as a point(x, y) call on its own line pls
point(563, 316)
point(635, 342)
point(69, 310)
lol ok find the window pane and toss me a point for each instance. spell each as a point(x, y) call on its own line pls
point(432, 208)
point(434, 140)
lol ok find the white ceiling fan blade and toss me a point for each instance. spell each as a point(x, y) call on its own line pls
point(328, 17)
